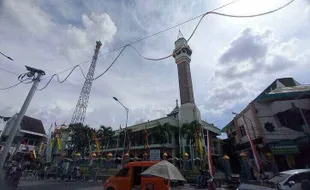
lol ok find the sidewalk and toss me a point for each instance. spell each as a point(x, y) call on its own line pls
point(188, 187)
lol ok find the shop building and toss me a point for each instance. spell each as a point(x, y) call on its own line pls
point(278, 122)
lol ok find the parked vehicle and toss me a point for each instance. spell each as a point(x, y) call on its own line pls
point(288, 180)
point(129, 178)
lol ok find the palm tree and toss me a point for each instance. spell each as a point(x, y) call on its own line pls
point(189, 131)
point(104, 134)
point(161, 133)
point(167, 129)
point(79, 137)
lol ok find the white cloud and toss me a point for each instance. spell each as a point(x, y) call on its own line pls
point(149, 89)
point(29, 15)
point(251, 57)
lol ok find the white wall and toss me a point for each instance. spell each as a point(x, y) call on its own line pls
point(249, 121)
point(266, 112)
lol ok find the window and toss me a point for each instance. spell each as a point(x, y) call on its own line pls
point(296, 178)
point(291, 119)
point(242, 131)
point(305, 176)
point(123, 172)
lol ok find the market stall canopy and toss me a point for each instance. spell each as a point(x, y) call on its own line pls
point(164, 169)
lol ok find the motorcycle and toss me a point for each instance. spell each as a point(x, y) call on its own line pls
point(202, 179)
point(76, 174)
point(13, 176)
point(234, 181)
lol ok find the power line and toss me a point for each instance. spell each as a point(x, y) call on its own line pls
point(11, 72)
point(162, 58)
point(62, 81)
point(7, 88)
point(21, 81)
point(144, 38)
point(238, 16)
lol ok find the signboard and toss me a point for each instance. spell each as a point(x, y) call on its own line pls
point(23, 147)
point(154, 154)
point(284, 147)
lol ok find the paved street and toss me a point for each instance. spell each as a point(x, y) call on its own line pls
point(61, 185)
point(58, 185)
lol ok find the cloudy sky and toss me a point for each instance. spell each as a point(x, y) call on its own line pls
point(232, 61)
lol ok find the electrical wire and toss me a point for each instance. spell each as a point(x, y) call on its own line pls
point(162, 58)
point(14, 85)
point(62, 81)
point(238, 16)
point(21, 80)
point(141, 39)
point(11, 72)
point(210, 12)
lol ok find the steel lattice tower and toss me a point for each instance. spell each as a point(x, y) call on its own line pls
point(81, 106)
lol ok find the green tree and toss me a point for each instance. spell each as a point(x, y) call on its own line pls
point(104, 134)
point(80, 140)
point(189, 132)
point(162, 134)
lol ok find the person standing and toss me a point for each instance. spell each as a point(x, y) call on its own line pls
point(245, 171)
point(94, 172)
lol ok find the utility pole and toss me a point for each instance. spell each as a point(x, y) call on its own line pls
point(127, 111)
point(36, 75)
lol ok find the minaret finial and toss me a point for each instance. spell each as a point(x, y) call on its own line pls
point(180, 35)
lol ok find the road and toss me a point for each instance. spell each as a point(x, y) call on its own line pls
point(58, 185)
point(62, 185)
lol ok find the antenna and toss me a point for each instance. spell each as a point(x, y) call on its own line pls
point(81, 106)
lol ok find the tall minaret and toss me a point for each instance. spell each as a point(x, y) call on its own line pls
point(182, 54)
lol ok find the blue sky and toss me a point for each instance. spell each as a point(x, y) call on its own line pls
point(232, 61)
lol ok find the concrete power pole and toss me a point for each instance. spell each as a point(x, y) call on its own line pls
point(36, 75)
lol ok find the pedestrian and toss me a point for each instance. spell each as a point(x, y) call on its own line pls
point(252, 173)
point(94, 172)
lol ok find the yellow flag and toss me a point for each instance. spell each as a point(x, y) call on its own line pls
point(58, 142)
point(52, 144)
point(200, 147)
point(41, 146)
point(34, 154)
point(98, 147)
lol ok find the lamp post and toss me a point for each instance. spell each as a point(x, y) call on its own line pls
point(245, 123)
point(8, 57)
point(127, 111)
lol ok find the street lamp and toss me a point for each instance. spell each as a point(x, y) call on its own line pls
point(245, 123)
point(127, 111)
point(6, 56)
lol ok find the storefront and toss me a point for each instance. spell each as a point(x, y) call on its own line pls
point(285, 153)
